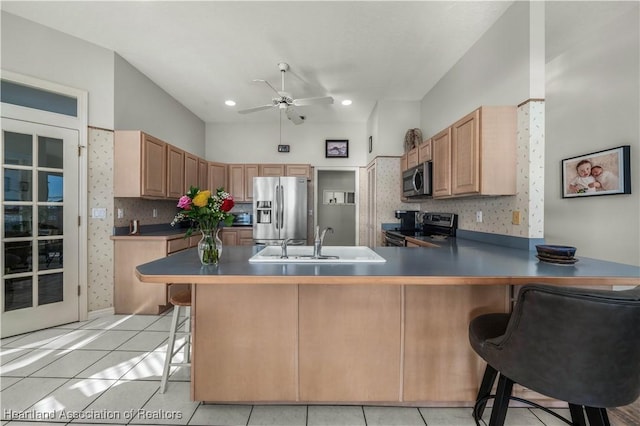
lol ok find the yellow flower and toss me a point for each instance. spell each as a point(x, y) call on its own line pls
point(202, 198)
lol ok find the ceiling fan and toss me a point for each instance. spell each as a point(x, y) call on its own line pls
point(284, 100)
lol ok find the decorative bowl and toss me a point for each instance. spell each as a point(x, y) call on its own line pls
point(555, 251)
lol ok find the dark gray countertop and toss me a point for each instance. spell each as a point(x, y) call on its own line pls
point(456, 261)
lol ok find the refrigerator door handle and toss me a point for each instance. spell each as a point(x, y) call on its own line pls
point(276, 212)
point(281, 206)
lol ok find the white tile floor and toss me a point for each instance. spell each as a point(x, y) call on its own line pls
point(107, 371)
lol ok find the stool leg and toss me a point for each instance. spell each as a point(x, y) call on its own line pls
point(488, 380)
point(171, 344)
point(187, 328)
point(597, 416)
point(501, 403)
point(577, 415)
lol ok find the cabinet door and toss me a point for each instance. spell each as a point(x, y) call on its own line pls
point(424, 151)
point(229, 237)
point(272, 170)
point(190, 171)
point(441, 145)
point(301, 170)
point(412, 158)
point(154, 167)
point(250, 171)
point(245, 237)
point(404, 163)
point(465, 155)
point(236, 181)
point(217, 176)
point(175, 172)
point(203, 174)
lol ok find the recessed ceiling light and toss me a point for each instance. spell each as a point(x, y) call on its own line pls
point(230, 103)
point(346, 102)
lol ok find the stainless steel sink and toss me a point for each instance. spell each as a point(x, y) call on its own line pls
point(330, 254)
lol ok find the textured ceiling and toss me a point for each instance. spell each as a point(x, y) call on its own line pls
point(203, 53)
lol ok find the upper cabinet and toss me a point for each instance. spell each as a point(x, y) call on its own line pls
point(217, 176)
point(271, 170)
point(298, 170)
point(190, 171)
point(240, 181)
point(441, 148)
point(140, 165)
point(424, 151)
point(175, 172)
point(483, 152)
point(203, 174)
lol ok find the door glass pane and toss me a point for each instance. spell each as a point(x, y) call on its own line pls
point(18, 149)
point(17, 257)
point(17, 185)
point(49, 152)
point(18, 221)
point(49, 254)
point(18, 293)
point(50, 186)
point(50, 289)
point(50, 220)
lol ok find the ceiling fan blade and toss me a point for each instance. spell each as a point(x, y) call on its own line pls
point(254, 109)
point(268, 84)
point(294, 115)
point(313, 101)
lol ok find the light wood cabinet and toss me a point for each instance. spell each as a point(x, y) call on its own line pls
point(140, 165)
point(424, 151)
point(240, 181)
point(483, 152)
point(272, 170)
point(412, 158)
point(217, 176)
point(203, 174)
point(300, 170)
point(237, 236)
point(404, 162)
point(250, 171)
point(131, 296)
point(190, 171)
point(175, 172)
point(441, 145)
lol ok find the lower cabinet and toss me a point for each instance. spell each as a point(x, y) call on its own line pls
point(237, 236)
point(131, 296)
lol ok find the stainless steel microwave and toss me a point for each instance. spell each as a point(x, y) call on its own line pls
point(416, 181)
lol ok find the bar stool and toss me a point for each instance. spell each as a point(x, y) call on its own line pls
point(181, 302)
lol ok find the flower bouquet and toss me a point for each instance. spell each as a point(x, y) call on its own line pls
point(206, 211)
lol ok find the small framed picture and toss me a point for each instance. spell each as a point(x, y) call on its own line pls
point(598, 173)
point(336, 148)
point(370, 144)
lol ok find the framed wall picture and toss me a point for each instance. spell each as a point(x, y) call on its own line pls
point(336, 148)
point(598, 173)
point(370, 144)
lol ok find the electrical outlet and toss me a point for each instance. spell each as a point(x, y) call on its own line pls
point(155, 212)
point(515, 217)
point(120, 213)
point(479, 216)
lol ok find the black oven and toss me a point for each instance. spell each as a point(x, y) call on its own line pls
point(394, 239)
point(416, 181)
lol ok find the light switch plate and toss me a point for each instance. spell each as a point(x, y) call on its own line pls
point(98, 213)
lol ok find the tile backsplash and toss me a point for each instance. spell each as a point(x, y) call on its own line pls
point(142, 210)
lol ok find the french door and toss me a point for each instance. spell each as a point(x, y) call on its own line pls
point(39, 230)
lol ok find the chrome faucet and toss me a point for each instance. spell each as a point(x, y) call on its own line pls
point(284, 248)
point(319, 239)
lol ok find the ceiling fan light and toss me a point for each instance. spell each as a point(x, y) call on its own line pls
point(230, 102)
point(346, 102)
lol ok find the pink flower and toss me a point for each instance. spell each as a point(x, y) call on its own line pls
point(184, 202)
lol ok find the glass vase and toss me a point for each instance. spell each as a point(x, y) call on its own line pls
point(210, 247)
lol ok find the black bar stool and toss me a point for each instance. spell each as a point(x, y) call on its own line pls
point(576, 345)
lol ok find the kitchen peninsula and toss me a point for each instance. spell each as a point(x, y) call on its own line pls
point(391, 333)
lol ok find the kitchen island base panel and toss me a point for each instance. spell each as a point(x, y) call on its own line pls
point(352, 344)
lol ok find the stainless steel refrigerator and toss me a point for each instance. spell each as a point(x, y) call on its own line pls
point(279, 210)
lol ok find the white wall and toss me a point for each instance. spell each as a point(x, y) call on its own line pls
point(34, 50)
point(258, 143)
point(593, 104)
point(495, 71)
point(140, 104)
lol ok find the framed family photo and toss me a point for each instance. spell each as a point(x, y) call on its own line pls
point(336, 148)
point(598, 173)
